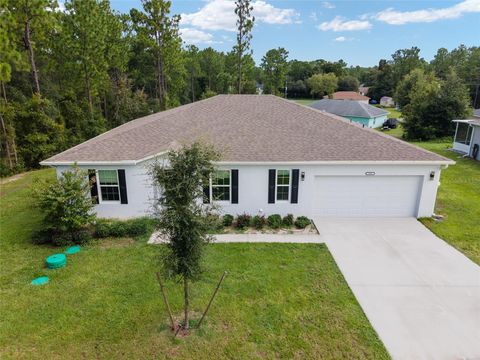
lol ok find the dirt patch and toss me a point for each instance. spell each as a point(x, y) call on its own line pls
point(11, 178)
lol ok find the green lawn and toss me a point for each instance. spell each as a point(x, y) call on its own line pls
point(458, 199)
point(392, 112)
point(304, 101)
point(278, 301)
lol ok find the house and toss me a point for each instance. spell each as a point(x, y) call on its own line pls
point(350, 95)
point(387, 101)
point(278, 157)
point(363, 90)
point(467, 137)
point(476, 113)
point(358, 112)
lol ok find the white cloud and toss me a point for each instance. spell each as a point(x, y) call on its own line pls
point(328, 5)
point(194, 36)
point(342, 39)
point(341, 24)
point(394, 17)
point(220, 15)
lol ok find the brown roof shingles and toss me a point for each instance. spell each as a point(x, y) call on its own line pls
point(248, 128)
point(348, 95)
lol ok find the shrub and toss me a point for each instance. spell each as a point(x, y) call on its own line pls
point(274, 221)
point(288, 220)
point(259, 222)
point(66, 207)
point(301, 222)
point(118, 228)
point(227, 220)
point(213, 222)
point(243, 221)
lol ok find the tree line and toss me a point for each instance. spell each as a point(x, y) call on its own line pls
point(69, 75)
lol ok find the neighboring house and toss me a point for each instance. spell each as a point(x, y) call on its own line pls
point(358, 112)
point(278, 157)
point(476, 113)
point(350, 95)
point(363, 90)
point(387, 101)
point(467, 137)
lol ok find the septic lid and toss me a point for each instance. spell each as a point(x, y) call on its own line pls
point(42, 280)
point(56, 261)
point(72, 250)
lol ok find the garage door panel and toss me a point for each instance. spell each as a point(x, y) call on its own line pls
point(356, 196)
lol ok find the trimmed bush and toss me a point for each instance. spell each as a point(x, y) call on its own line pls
point(227, 220)
point(127, 228)
point(288, 220)
point(302, 221)
point(274, 221)
point(243, 221)
point(259, 222)
point(213, 222)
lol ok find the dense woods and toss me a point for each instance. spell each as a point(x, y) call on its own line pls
point(67, 75)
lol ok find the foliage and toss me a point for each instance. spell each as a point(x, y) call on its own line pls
point(274, 221)
point(244, 25)
point(66, 205)
point(180, 215)
point(123, 228)
point(433, 105)
point(288, 220)
point(242, 221)
point(274, 66)
point(227, 220)
point(301, 222)
point(348, 83)
point(259, 222)
point(406, 86)
point(322, 84)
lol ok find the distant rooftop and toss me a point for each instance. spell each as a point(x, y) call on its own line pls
point(348, 108)
point(349, 95)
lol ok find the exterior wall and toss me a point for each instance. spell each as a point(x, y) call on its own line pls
point(369, 122)
point(475, 140)
point(253, 188)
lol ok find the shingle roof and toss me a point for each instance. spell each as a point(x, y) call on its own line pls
point(348, 95)
point(246, 128)
point(348, 108)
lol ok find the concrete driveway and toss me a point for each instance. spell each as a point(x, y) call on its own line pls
point(420, 294)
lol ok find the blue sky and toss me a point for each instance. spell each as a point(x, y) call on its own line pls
point(359, 32)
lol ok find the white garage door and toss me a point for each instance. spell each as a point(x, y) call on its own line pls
point(366, 195)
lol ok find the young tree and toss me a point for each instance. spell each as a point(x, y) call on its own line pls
point(274, 66)
point(244, 28)
point(180, 211)
point(322, 84)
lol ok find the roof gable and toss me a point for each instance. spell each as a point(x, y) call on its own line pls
point(246, 128)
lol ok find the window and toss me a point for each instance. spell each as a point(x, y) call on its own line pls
point(108, 182)
point(221, 185)
point(283, 184)
point(464, 134)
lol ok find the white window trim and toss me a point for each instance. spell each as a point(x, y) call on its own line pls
point(229, 188)
point(289, 185)
point(99, 190)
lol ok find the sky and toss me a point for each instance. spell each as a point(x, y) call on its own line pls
point(360, 32)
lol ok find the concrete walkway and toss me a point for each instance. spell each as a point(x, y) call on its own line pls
point(254, 238)
point(420, 294)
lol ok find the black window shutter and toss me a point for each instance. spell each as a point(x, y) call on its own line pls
point(123, 186)
point(295, 176)
point(206, 194)
point(92, 179)
point(234, 186)
point(271, 186)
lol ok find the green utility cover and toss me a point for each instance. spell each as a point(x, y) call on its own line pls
point(72, 250)
point(42, 280)
point(56, 261)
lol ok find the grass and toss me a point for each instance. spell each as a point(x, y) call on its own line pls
point(305, 102)
point(458, 199)
point(392, 112)
point(278, 301)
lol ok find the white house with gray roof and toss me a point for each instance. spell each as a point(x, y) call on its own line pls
point(355, 111)
point(278, 157)
point(467, 137)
